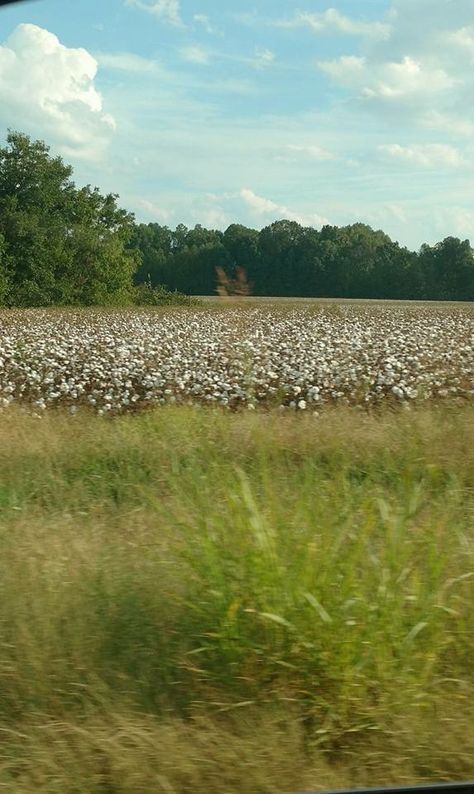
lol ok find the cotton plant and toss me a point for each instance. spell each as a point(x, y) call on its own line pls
point(299, 358)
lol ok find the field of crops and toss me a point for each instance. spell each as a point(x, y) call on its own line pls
point(291, 356)
point(240, 601)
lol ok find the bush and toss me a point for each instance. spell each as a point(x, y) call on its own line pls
point(148, 295)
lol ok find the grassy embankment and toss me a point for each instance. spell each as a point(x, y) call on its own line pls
point(199, 602)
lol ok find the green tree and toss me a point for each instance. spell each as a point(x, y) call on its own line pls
point(4, 272)
point(194, 270)
point(447, 270)
point(62, 244)
point(348, 259)
point(155, 244)
point(283, 266)
point(241, 244)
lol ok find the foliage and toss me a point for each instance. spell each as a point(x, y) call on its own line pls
point(287, 259)
point(447, 270)
point(58, 244)
point(147, 295)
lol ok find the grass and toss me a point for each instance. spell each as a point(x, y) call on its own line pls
point(194, 601)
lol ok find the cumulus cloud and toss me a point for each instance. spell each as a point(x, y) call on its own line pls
point(333, 21)
point(347, 70)
point(260, 204)
point(264, 207)
point(408, 77)
point(166, 10)
point(429, 155)
point(392, 80)
point(424, 66)
point(48, 90)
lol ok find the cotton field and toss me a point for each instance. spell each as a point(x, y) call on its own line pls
point(294, 357)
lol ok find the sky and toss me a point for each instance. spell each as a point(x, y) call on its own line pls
point(249, 111)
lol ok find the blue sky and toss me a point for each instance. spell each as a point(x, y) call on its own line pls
point(200, 111)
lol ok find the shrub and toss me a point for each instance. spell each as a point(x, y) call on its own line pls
point(148, 295)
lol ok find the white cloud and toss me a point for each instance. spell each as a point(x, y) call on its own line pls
point(332, 20)
point(390, 80)
point(167, 10)
point(464, 38)
point(215, 218)
point(347, 70)
point(429, 155)
point(311, 152)
point(154, 211)
point(261, 205)
point(408, 77)
point(266, 207)
point(455, 125)
point(48, 90)
point(195, 54)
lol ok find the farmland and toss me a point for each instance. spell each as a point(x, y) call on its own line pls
point(289, 356)
point(237, 547)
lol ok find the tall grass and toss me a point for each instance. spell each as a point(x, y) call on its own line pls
point(196, 601)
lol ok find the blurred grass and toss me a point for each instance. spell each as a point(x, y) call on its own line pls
point(195, 601)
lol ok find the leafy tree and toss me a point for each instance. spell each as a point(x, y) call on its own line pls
point(155, 243)
point(194, 270)
point(199, 237)
point(179, 237)
point(394, 274)
point(281, 247)
point(241, 244)
point(447, 270)
point(62, 244)
point(4, 272)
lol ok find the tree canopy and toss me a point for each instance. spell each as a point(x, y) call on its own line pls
point(287, 259)
point(58, 244)
point(61, 244)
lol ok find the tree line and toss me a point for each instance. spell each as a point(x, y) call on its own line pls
point(64, 245)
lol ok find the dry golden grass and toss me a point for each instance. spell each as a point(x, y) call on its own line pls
point(194, 601)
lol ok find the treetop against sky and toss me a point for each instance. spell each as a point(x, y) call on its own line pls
point(208, 112)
